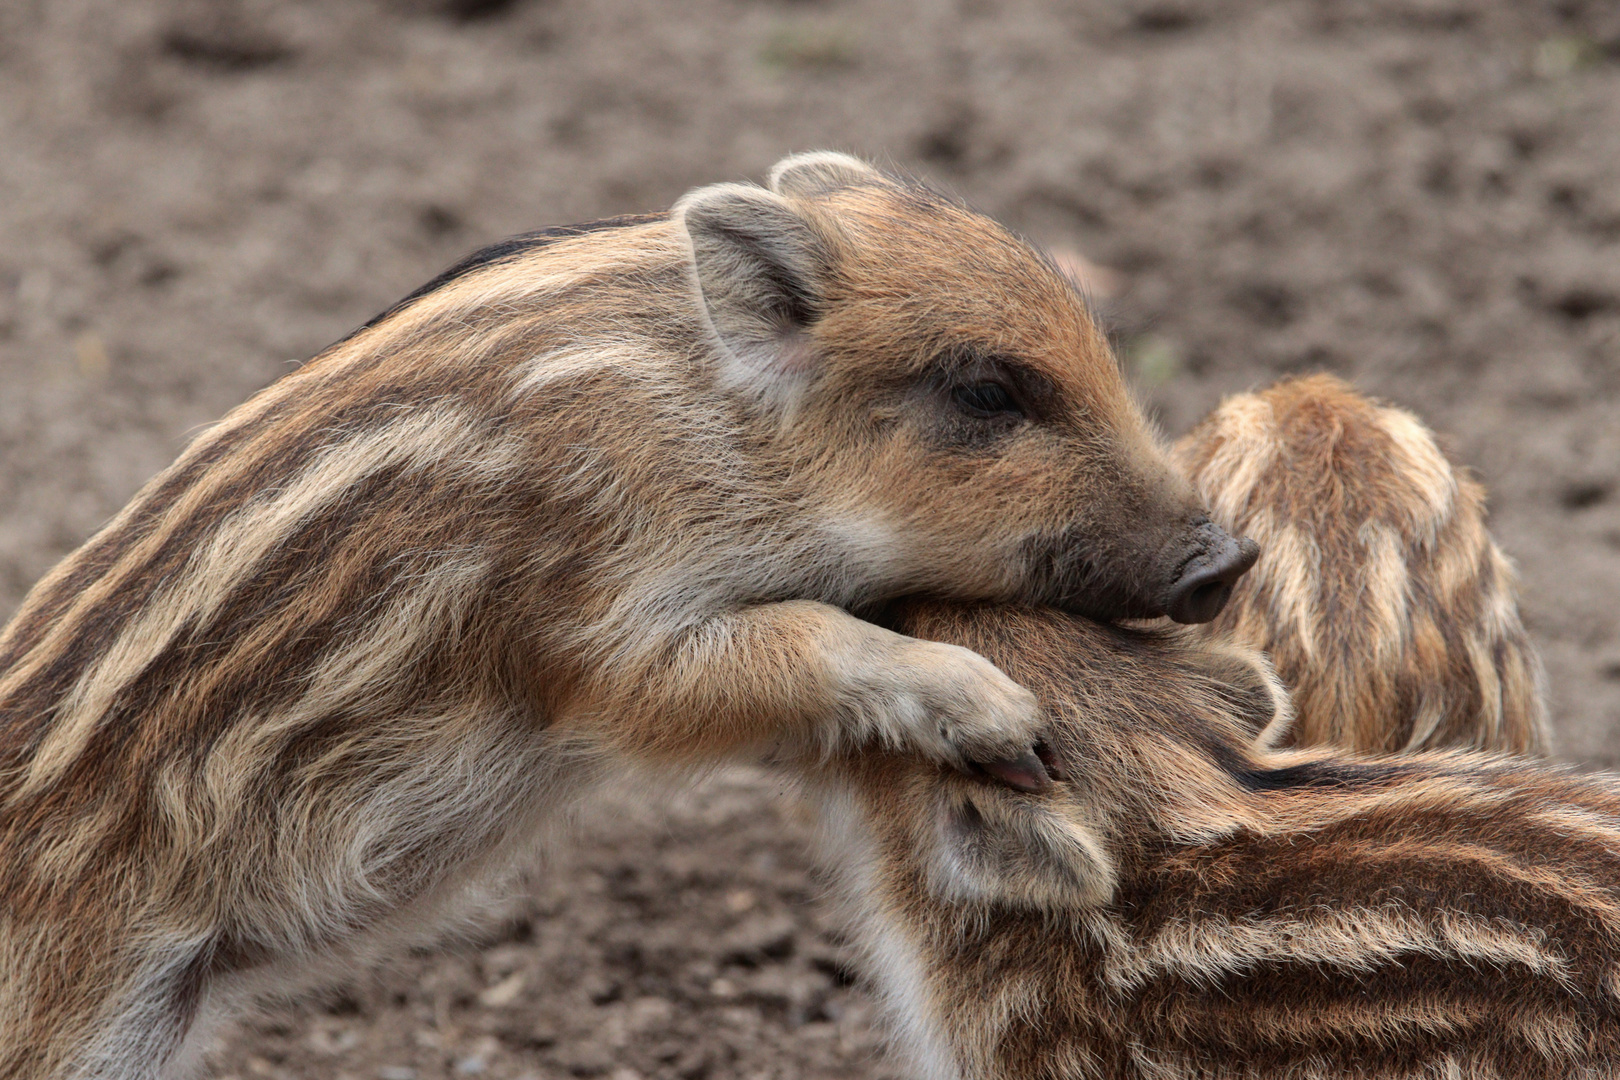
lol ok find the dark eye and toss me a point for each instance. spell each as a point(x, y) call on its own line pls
point(985, 400)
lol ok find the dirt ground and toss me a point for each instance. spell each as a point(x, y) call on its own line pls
point(1422, 195)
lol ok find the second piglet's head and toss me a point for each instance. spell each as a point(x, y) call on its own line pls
point(904, 354)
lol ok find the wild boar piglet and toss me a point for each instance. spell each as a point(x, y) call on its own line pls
point(597, 497)
point(1387, 607)
point(1187, 904)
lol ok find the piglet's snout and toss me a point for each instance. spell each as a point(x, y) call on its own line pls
point(1206, 579)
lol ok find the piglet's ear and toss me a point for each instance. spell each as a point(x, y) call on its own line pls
point(761, 270)
point(1258, 700)
point(1020, 852)
point(819, 172)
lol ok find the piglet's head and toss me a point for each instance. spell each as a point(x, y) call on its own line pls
point(943, 400)
point(1158, 736)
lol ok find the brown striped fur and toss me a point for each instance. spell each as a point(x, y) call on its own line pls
point(1186, 904)
point(597, 496)
point(1380, 596)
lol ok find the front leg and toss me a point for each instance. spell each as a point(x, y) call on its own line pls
point(812, 678)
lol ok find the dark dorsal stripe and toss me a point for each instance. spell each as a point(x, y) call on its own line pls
point(502, 250)
point(1322, 774)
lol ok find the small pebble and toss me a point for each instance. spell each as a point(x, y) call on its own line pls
point(504, 992)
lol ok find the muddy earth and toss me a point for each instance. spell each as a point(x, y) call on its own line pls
point(1421, 195)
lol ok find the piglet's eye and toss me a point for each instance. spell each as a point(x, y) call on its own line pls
point(985, 400)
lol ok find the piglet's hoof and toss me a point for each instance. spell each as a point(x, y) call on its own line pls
point(1024, 772)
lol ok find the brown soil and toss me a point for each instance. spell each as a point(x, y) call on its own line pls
point(1423, 195)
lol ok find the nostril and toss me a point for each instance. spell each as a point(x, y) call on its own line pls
point(1200, 603)
point(1210, 597)
point(1206, 581)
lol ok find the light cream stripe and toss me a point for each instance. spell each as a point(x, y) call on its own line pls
point(1241, 460)
point(1213, 947)
point(1296, 566)
point(1417, 461)
point(1384, 590)
point(556, 365)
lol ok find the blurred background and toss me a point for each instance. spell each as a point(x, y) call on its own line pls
point(1421, 195)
